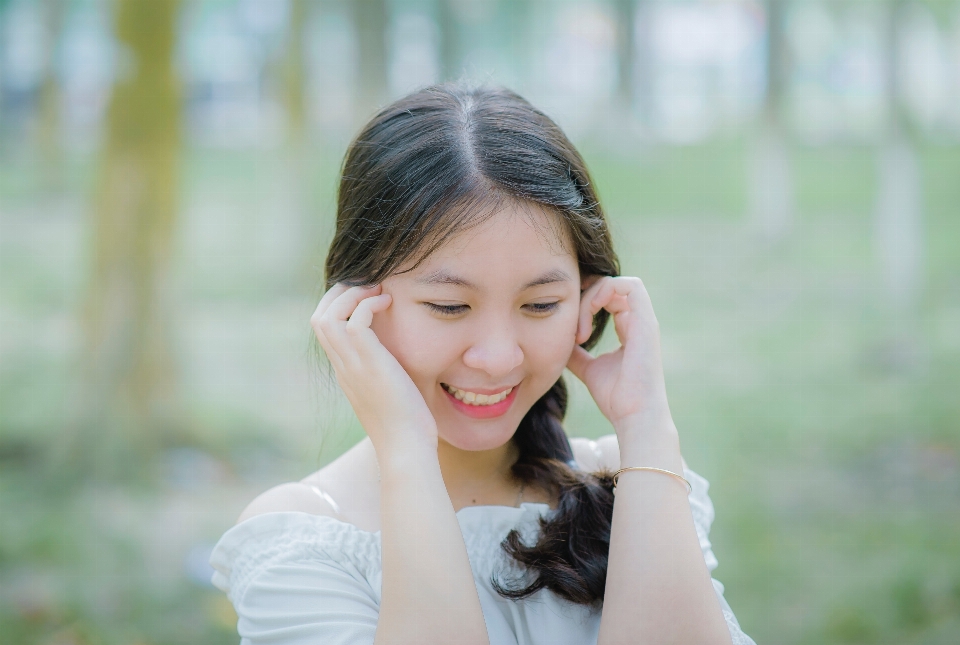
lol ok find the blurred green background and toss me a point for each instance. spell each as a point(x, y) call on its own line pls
point(783, 175)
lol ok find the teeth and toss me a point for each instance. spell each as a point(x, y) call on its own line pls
point(473, 398)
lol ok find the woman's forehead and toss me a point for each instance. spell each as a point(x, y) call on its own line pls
point(518, 239)
point(516, 224)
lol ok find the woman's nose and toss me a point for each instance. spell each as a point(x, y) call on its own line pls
point(497, 354)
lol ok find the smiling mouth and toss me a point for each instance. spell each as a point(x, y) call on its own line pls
point(479, 400)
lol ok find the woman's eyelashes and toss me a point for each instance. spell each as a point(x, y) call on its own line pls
point(543, 307)
point(447, 310)
point(536, 308)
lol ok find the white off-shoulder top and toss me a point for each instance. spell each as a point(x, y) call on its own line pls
point(301, 579)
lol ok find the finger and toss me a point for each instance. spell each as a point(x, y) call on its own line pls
point(629, 287)
point(623, 294)
point(621, 322)
point(585, 322)
point(607, 297)
point(344, 305)
point(335, 360)
point(580, 359)
point(332, 325)
point(328, 350)
point(362, 316)
point(332, 294)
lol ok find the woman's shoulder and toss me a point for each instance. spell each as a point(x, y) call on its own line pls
point(291, 496)
point(308, 523)
point(344, 489)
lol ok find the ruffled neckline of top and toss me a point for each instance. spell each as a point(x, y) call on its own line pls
point(286, 533)
point(491, 517)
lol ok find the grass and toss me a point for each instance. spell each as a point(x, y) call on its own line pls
point(831, 446)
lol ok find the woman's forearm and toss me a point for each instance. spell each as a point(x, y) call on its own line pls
point(658, 587)
point(429, 596)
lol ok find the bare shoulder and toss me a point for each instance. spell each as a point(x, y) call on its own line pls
point(602, 453)
point(345, 489)
point(292, 496)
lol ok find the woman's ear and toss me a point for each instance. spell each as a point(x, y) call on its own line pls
point(588, 281)
point(585, 323)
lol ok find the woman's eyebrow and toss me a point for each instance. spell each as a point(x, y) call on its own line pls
point(443, 277)
point(557, 275)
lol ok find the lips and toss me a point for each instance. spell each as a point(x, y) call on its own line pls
point(478, 410)
point(477, 398)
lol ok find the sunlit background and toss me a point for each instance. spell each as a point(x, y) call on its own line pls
point(784, 175)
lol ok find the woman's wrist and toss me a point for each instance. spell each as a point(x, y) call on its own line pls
point(411, 455)
point(651, 422)
point(649, 443)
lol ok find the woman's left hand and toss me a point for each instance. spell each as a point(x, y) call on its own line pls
point(627, 383)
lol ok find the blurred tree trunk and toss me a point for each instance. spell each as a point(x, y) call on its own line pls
point(294, 73)
point(370, 18)
point(519, 18)
point(48, 122)
point(898, 218)
point(450, 55)
point(128, 384)
point(619, 125)
point(301, 144)
point(771, 189)
point(644, 64)
point(626, 52)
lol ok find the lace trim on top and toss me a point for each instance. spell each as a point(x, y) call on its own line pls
point(284, 536)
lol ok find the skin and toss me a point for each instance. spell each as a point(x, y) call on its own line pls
point(392, 350)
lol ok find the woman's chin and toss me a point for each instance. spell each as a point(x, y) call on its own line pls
point(476, 435)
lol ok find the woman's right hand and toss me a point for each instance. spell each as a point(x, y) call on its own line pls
point(387, 402)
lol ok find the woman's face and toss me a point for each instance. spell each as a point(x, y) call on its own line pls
point(491, 315)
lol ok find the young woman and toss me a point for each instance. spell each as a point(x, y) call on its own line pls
point(471, 264)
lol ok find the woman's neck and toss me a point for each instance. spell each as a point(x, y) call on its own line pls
point(477, 478)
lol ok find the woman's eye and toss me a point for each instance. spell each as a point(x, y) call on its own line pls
point(447, 310)
point(542, 307)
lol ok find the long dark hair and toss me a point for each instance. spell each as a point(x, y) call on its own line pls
point(435, 163)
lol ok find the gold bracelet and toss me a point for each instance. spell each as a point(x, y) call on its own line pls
point(616, 475)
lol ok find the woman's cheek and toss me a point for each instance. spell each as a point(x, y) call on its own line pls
point(419, 342)
point(397, 330)
point(554, 343)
